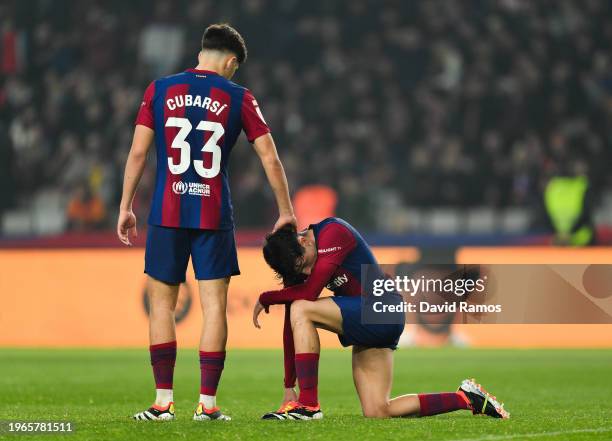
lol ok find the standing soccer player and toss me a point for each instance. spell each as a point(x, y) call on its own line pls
point(195, 118)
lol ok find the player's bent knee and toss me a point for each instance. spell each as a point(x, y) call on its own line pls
point(376, 411)
point(299, 308)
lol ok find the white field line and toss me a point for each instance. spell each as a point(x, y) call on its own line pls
point(536, 434)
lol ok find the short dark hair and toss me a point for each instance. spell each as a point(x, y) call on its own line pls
point(283, 253)
point(223, 37)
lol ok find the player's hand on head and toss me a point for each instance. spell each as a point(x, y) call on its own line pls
point(284, 220)
point(256, 311)
point(126, 224)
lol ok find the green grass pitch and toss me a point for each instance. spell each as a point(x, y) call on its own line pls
point(552, 394)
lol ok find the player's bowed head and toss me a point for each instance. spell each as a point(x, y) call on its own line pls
point(291, 255)
point(223, 50)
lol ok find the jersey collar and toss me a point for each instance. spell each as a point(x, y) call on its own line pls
point(200, 71)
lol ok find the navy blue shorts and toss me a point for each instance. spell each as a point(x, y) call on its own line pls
point(354, 332)
point(213, 253)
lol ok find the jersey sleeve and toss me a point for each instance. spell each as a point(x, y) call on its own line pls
point(145, 113)
point(253, 122)
point(334, 243)
point(309, 290)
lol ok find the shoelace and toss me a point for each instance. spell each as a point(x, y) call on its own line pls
point(487, 393)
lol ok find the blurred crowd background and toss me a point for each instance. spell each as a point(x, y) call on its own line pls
point(420, 115)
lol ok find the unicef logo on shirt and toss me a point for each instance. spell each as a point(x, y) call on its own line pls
point(179, 187)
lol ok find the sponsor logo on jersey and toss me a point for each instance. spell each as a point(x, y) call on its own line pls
point(191, 188)
point(329, 250)
point(199, 189)
point(179, 187)
point(337, 282)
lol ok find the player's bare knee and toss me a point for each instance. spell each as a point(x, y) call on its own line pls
point(214, 307)
point(161, 304)
point(376, 411)
point(299, 310)
point(215, 314)
point(213, 302)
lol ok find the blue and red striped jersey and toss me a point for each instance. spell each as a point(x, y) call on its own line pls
point(197, 116)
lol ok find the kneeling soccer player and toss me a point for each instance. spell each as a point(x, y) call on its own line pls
point(331, 254)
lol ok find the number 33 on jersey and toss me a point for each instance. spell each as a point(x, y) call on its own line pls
point(197, 117)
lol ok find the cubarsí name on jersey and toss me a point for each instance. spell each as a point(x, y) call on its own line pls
point(195, 101)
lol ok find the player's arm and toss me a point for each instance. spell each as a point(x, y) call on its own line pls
point(322, 272)
point(134, 167)
point(258, 133)
point(135, 164)
point(266, 150)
